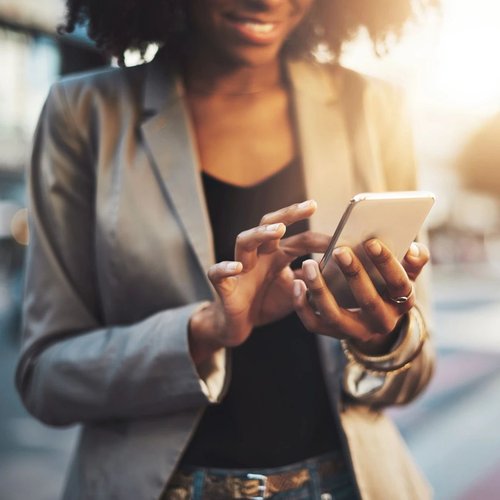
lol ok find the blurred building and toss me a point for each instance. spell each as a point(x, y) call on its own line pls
point(447, 67)
point(478, 167)
point(33, 56)
point(479, 162)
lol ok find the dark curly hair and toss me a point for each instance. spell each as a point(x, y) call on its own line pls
point(118, 25)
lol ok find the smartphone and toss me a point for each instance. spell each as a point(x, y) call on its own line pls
point(395, 218)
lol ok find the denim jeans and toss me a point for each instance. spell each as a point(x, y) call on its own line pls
point(336, 486)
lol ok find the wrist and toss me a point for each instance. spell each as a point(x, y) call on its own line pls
point(205, 331)
point(381, 344)
point(411, 341)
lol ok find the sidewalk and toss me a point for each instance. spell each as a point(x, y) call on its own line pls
point(488, 486)
point(453, 430)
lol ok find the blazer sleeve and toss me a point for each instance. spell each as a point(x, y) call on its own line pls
point(72, 367)
point(401, 375)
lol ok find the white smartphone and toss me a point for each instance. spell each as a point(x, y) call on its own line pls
point(395, 218)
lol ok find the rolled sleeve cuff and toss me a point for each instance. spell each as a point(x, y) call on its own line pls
point(365, 375)
point(212, 376)
point(212, 373)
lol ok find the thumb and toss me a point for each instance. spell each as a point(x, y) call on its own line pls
point(222, 274)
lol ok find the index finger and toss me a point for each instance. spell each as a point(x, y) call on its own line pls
point(292, 213)
point(288, 215)
point(305, 243)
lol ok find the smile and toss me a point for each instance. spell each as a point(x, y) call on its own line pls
point(259, 27)
point(254, 30)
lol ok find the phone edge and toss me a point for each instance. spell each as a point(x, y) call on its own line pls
point(331, 246)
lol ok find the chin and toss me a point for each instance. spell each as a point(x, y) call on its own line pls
point(252, 57)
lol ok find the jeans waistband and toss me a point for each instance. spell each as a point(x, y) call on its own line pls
point(253, 483)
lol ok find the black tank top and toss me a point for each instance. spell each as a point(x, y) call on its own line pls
point(276, 410)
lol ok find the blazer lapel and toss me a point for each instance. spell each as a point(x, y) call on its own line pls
point(323, 141)
point(170, 143)
point(327, 160)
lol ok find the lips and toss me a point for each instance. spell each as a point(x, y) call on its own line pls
point(254, 30)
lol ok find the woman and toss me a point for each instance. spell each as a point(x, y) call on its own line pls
point(158, 252)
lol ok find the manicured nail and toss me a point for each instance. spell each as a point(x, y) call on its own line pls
point(297, 288)
point(344, 256)
point(414, 250)
point(374, 247)
point(232, 266)
point(307, 204)
point(310, 270)
point(273, 227)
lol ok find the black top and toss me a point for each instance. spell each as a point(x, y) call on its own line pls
point(276, 410)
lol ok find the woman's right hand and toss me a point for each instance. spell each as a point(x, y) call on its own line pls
point(257, 281)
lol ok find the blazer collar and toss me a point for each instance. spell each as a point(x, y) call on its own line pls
point(319, 82)
point(324, 145)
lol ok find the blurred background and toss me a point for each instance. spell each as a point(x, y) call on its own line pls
point(449, 67)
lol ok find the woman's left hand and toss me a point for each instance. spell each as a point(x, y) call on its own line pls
point(373, 327)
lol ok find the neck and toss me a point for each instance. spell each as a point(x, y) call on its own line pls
point(205, 74)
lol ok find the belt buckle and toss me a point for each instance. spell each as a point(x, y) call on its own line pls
point(261, 489)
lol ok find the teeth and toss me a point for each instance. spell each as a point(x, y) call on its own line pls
point(260, 27)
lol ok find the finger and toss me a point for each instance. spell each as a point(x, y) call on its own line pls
point(305, 243)
point(374, 308)
point(221, 275)
point(287, 215)
point(292, 213)
point(247, 242)
point(223, 270)
point(331, 315)
point(303, 308)
point(326, 318)
point(397, 281)
point(298, 274)
point(415, 259)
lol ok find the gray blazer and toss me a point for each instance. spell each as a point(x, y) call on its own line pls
point(120, 243)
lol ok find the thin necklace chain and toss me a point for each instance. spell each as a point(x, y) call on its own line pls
point(233, 94)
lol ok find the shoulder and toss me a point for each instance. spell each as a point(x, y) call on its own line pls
point(382, 104)
point(375, 116)
point(103, 87)
point(338, 82)
point(83, 108)
point(376, 95)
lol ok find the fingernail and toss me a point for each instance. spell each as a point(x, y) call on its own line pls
point(414, 250)
point(310, 270)
point(297, 288)
point(273, 227)
point(374, 247)
point(232, 266)
point(344, 256)
point(306, 204)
